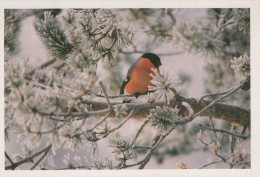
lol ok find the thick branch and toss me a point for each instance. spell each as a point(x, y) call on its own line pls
point(221, 111)
point(213, 109)
point(225, 112)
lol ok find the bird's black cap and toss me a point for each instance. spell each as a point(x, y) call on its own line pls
point(153, 58)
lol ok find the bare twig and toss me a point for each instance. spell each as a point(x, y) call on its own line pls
point(226, 24)
point(118, 96)
point(141, 52)
point(211, 163)
point(28, 159)
point(213, 126)
point(225, 132)
point(44, 65)
point(216, 149)
point(9, 159)
point(104, 134)
point(214, 94)
point(99, 123)
point(232, 141)
point(139, 131)
point(42, 157)
point(105, 93)
point(120, 125)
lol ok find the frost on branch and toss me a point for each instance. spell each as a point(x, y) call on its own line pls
point(59, 104)
point(162, 86)
point(53, 36)
point(163, 118)
point(84, 36)
point(122, 149)
point(13, 19)
point(241, 66)
point(206, 41)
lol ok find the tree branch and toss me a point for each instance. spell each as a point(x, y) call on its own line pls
point(211, 163)
point(44, 65)
point(9, 159)
point(42, 157)
point(217, 110)
point(157, 140)
point(224, 131)
point(28, 159)
point(142, 52)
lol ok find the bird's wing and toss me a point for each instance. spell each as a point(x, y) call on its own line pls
point(127, 79)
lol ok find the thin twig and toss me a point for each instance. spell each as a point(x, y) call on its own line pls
point(89, 167)
point(214, 94)
point(99, 123)
point(142, 147)
point(160, 54)
point(46, 131)
point(108, 132)
point(225, 132)
point(28, 159)
point(9, 159)
point(211, 163)
point(139, 131)
point(223, 26)
point(211, 104)
point(106, 96)
point(216, 149)
point(42, 157)
point(232, 141)
point(119, 96)
point(120, 125)
point(44, 65)
point(212, 125)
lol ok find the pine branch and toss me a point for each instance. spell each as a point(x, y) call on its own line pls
point(218, 110)
point(157, 140)
point(53, 36)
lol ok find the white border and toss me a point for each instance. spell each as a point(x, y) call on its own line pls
point(254, 5)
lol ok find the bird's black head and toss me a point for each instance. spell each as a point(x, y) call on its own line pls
point(153, 58)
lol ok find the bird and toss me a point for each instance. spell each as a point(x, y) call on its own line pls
point(138, 77)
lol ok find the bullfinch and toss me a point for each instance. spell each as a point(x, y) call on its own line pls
point(138, 76)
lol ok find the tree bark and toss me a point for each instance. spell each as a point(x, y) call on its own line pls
point(221, 111)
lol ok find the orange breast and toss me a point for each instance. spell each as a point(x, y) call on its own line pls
point(140, 77)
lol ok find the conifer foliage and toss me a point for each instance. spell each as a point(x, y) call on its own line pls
point(64, 105)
